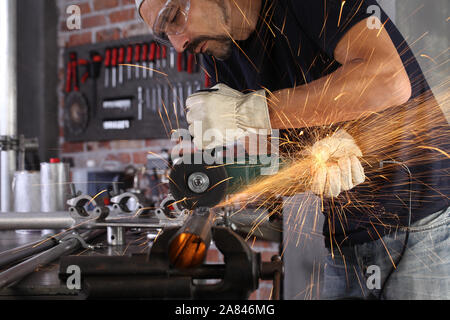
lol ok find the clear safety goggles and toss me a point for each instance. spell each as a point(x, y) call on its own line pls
point(171, 19)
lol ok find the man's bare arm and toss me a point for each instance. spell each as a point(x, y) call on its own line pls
point(372, 78)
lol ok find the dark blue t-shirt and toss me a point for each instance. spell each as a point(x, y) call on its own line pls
point(294, 44)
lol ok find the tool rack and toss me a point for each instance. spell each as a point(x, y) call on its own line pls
point(107, 99)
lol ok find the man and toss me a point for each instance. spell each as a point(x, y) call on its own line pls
point(291, 64)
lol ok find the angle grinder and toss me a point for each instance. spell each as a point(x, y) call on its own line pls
point(195, 184)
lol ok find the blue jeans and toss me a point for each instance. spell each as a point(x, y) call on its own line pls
point(359, 272)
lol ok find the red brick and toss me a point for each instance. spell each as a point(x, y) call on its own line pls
point(80, 39)
point(72, 147)
point(104, 145)
point(95, 146)
point(84, 7)
point(140, 157)
point(135, 29)
point(122, 15)
point(108, 35)
point(126, 144)
point(93, 21)
point(160, 143)
point(124, 158)
point(128, 2)
point(105, 4)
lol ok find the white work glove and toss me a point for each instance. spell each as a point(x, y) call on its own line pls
point(221, 117)
point(335, 165)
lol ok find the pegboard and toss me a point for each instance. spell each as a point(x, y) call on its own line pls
point(129, 102)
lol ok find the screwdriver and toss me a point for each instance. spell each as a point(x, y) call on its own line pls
point(137, 58)
point(107, 65)
point(190, 63)
point(74, 72)
point(114, 67)
point(151, 57)
point(144, 60)
point(121, 61)
point(164, 56)
point(69, 77)
point(172, 58)
point(158, 57)
point(129, 60)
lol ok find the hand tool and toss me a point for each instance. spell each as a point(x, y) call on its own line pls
point(121, 62)
point(73, 73)
point(96, 65)
point(160, 101)
point(147, 98)
point(154, 101)
point(189, 88)
point(158, 57)
point(107, 64)
point(144, 60)
point(180, 66)
point(137, 59)
point(175, 98)
point(181, 98)
point(197, 86)
point(140, 101)
point(69, 77)
point(172, 57)
point(166, 97)
point(129, 60)
point(114, 67)
point(151, 57)
point(190, 63)
point(164, 56)
point(86, 74)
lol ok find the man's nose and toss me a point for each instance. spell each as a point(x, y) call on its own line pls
point(179, 42)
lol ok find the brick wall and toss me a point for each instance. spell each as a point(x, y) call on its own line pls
point(101, 20)
point(108, 20)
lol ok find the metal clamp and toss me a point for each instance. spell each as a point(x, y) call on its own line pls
point(80, 240)
point(78, 211)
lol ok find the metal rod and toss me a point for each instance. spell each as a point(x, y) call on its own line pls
point(23, 269)
point(35, 220)
point(8, 96)
point(19, 253)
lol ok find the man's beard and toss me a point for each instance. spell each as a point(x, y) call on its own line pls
point(222, 52)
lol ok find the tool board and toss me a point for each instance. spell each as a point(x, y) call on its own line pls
point(106, 99)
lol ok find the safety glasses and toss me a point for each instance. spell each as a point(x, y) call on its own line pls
point(171, 19)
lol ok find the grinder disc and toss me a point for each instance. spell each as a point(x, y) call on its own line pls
point(198, 185)
point(76, 113)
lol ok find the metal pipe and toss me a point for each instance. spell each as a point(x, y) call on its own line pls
point(35, 220)
point(8, 96)
point(190, 244)
point(23, 269)
point(17, 254)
